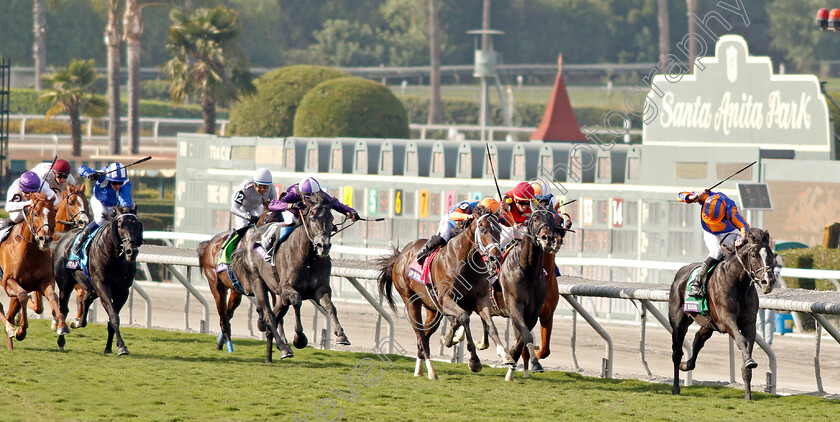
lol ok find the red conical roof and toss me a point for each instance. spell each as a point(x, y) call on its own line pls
point(559, 122)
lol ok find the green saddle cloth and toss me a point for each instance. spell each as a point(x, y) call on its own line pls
point(697, 305)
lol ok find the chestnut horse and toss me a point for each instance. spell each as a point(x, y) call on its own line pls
point(733, 304)
point(111, 264)
point(24, 259)
point(460, 259)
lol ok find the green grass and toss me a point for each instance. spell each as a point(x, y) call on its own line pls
point(172, 376)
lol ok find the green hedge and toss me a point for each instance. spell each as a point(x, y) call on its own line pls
point(351, 107)
point(271, 111)
point(817, 258)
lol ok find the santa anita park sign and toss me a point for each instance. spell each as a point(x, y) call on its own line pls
point(733, 99)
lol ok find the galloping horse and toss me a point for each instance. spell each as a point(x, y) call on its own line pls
point(24, 259)
point(73, 212)
point(733, 304)
point(460, 260)
point(111, 265)
point(552, 294)
point(261, 279)
point(302, 266)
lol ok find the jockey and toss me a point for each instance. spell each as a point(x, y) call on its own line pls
point(247, 207)
point(721, 222)
point(58, 177)
point(460, 212)
point(516, 204)
point(542, 193)
point(111, 189)
point(295, 198)
point(18, 196)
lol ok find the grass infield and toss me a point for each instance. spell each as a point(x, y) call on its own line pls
point(172, 376)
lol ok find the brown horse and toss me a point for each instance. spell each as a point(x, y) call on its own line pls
point(25, 260)
point(460, 260)
point(552, 294)
point(733, 304)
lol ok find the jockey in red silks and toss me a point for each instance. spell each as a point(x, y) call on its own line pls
point(460, 212)
point(295, 198)
point(721, 224)
point(516, 208)
point(57, 177)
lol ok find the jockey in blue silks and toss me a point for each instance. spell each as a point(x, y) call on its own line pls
point(111, 189)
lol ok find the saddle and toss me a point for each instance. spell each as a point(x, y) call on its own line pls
point(75, 262)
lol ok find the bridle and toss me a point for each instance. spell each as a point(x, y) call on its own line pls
point(30, 222)
point(755, 275)
point(73, 220)
point(305, 223)
point(483, 249)
point(543, 223)
point(126, 242)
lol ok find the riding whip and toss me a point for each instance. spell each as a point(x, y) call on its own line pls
point(48, 172)
point(142, 160)
point(733, 175)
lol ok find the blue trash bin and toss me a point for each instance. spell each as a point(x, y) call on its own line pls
point(784, 323)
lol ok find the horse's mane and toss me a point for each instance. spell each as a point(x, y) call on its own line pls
point(317, 198)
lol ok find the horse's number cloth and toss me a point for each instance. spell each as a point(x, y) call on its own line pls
point(697, 305)
point(422, 274)
point(74, 261)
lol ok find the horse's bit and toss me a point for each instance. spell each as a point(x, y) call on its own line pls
point(757, 275)
point(30, 224)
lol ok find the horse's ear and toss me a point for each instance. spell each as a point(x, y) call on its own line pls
point(134, 210)
point(83, 187)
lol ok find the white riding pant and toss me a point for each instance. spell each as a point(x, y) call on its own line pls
point(445, 228)
point(241, 222)
point(508, 234)
point(99, 211)
point(713, 242)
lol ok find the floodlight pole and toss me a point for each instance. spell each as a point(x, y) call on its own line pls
point(484, 69)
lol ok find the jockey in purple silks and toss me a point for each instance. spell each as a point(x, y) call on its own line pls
point(17, 198)
point(295, 198)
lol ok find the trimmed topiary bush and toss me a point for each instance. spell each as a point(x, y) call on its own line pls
point(271, 111)
point(351, 107)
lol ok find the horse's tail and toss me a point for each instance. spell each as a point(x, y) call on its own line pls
point(201, 248)
point(386, 273)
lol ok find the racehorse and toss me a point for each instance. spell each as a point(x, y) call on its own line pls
point(552, 294)
point(460, 259)
point(733, 304)
point(302, 267)
point(304, 273)
point(24, 258)
point(111, 266)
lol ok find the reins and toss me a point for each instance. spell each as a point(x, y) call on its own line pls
point(30, 224)
point(66, 204)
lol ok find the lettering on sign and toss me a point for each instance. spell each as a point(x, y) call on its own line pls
point(398, 202)
point(424, 203)
point(588, 211)
point(617, 212)
point(373, 200)
point(218, 194)
point(219, 152)
point(451, 199)
point(737, 99)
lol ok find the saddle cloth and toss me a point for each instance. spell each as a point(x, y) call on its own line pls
point(422, 274)
point(74, 262)
point(696, 305)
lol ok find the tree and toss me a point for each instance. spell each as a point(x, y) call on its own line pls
point(435, 103)
point(112, 43)
point(39, 46)
point(207, 64)
point(70, 91)
point(664, 30)
point(691, 5)
point(345, 43)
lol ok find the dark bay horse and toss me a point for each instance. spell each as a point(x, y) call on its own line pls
point(459, 280)
point(112, 266)
point(302, 266)
point(552, 294)
point(25, 258)
point(733, 304)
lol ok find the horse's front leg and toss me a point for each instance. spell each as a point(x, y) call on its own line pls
point(517, 318)
point(323, 296)
point(35, 303)
point(490, 329)
point(17, 302)
point(9, 327)
point(81, 314)
point(113, 301)
point(59, 324)
point(744, 336)
point(450, 307)
point(261, 296)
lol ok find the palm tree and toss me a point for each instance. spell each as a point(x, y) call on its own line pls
point(664, 29)
point(70, 91)
point(691, 5)
point(207, 64)
point(435, 104)
point(112, 43)
point(39, 45)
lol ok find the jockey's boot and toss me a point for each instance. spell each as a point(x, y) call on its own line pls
point(696, 287)
point(429, 247)
point(77, 247)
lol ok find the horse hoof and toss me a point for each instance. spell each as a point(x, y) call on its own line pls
point(261, 327)
point(475, 366)
point(75, 323)
point(229, 346)
point(20, 335)
point(286, 353)
point(62, 331)
point(684, 367)
point(122, 351)
point(342, 340)
point(750, 364)
point(220, 340)
point(536, 366)
point(61, 341)
point(481, 345)
point(54, 325)
point(107, 351)
point(301, 341)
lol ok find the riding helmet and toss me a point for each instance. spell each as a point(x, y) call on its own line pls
point(491, 204)
point(61, 166)
point(116, 172)
point(541, 189)
point(308, 185)
point(262, 176)
point(29, 182)
point(523, 192)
